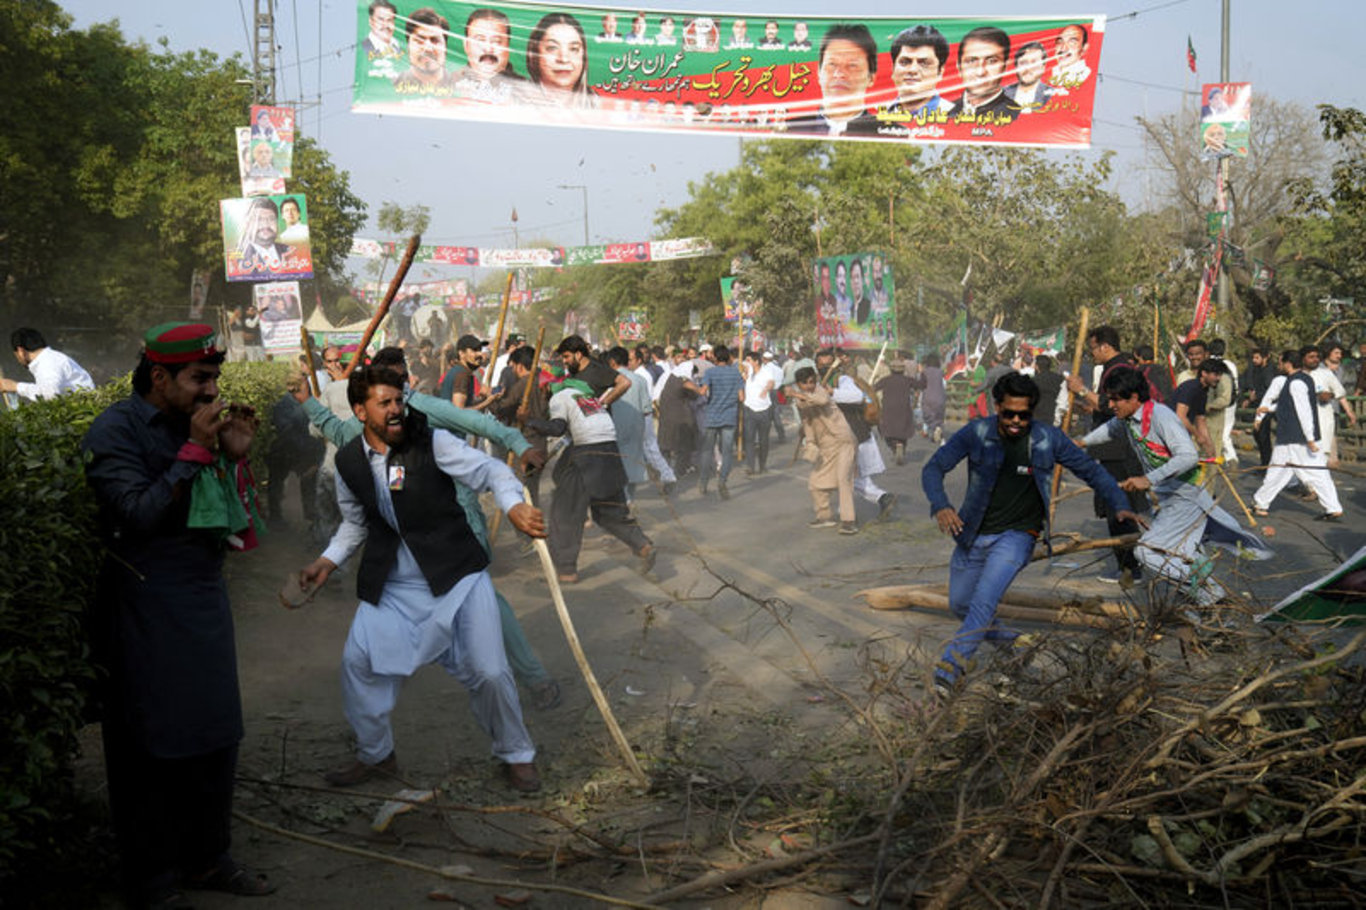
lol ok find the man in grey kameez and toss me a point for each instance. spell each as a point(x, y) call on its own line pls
point(1188, 517)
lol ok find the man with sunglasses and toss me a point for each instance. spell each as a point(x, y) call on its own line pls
point(1010, 465)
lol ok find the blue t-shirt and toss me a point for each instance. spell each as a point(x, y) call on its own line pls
point(723, 403)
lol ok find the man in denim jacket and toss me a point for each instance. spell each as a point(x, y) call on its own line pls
point(1010, 464)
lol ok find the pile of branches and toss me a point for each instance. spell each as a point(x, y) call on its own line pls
point(1182, 765)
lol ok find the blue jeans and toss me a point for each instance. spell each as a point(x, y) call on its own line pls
point(725, 438)
point(978, 576)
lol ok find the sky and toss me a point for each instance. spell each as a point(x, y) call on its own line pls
point(473, 176)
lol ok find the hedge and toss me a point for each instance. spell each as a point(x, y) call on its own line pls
point(49, 556)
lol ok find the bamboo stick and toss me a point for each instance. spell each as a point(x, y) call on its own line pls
point(383, 309)
point(1067, 415)
point(599, 698)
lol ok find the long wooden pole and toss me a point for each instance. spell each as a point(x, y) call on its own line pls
point(562, 611)
point(1067, 415)
point(383, 310)
point(498, 340)
point(307, 341)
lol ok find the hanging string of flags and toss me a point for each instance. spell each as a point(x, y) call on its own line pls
point(543, 257)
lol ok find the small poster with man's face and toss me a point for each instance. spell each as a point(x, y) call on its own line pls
point(275, 127)
point(256, 166)
point(1225, 120)
point(265, 238)
point(277, 304)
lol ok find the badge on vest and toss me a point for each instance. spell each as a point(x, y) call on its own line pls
point(1024, 470)
point(396, 474)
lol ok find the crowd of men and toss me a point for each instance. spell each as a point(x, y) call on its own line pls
point(393, 456)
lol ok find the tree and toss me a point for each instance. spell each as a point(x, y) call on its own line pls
point(113, 158)
point(1283, 152)
point(1324, 235)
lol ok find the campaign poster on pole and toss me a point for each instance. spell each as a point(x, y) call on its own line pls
point(275, 127)
point(265, 238)
point(1010, 80)
point(199, 293)
point(1225, 119)
point(257, 179)
point(739, 302)
point(855, 301)
point(277, 306)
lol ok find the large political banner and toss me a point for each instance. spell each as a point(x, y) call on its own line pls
point(265, 238)
point(855, 301)
point(1003, 80)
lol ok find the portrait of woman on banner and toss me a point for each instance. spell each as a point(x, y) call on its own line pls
point(557, 65)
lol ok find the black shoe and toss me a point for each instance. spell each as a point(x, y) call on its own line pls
point(1329, 516)
point(722, 491)
point(885, 503)
point(702, 488)
point(668, 488)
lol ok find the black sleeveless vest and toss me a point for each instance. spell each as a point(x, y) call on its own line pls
point(1288, 430)
point(429, 515)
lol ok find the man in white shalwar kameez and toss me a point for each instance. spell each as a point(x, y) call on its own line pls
point(425, 593)
point(1188, 516)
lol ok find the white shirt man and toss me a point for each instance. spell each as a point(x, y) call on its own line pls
point(53, 374)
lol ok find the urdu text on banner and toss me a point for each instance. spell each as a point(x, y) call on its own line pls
point(1000, 80)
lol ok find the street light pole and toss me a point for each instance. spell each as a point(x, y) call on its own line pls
point(584, 189)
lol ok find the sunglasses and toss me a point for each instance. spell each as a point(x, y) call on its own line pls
point(1008, 414)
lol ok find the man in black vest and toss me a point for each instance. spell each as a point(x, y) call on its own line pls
point(1299, 441)
point(425, 594)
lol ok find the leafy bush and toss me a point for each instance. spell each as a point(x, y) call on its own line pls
point(51, 555)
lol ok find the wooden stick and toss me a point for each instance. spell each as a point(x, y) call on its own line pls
point(383, 310)
point(897, 596)
point(562, 610)
point(1219, 466)
point(908, 596)
point(308, 352)
point(498, 339)
point(402, 862)
point(1067, 415)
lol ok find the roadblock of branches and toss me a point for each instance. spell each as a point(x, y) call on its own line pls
point(1172, 759)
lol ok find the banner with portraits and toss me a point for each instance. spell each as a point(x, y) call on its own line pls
point(855, 301)
point(1225, 119)
point(275, 127)
point(1018, 80)
point(257, 179)
point(634, 326)
point(265, 238)
point(542, 257)
point(282, 317)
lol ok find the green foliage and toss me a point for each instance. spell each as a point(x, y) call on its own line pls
point(48, 538)
point(47, 577)
point(108, 207)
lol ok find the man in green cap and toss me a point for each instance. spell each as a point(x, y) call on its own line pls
point(161, 626)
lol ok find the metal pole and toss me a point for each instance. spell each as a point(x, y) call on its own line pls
point(1223, 166)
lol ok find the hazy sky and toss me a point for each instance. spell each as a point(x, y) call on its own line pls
point(473, 175)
